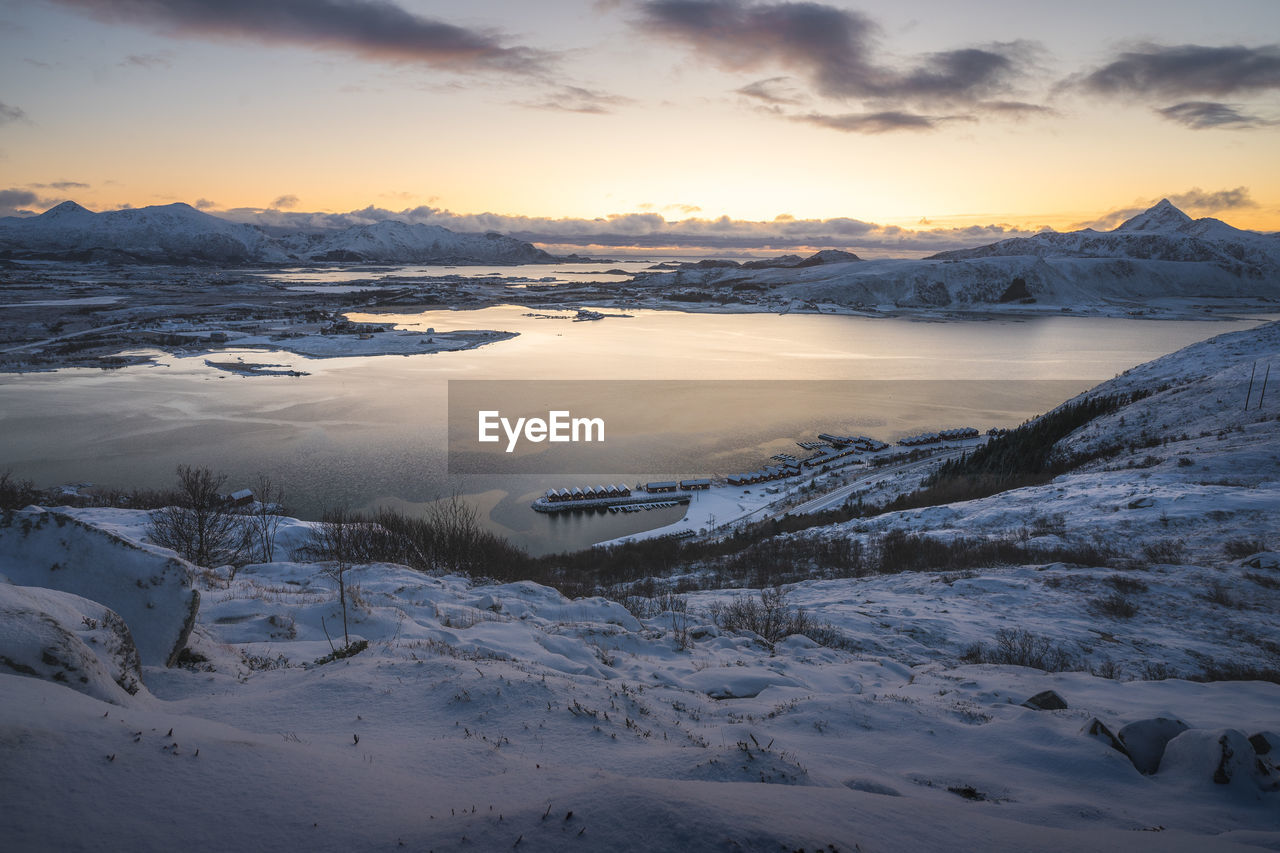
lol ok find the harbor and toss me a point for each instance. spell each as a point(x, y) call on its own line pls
point(831, 452)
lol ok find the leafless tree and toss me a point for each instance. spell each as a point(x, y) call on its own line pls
point(337, 539)
point(265, 517)
point(202, 527)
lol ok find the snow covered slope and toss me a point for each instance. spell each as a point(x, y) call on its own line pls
point(1159, 254)
point(1162, 233)
point(499, 716)
point(178, 233)
point(390, 241)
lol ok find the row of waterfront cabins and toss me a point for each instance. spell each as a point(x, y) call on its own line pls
point(673, 485)
point(858, 442)
point(587, 494)
point(943, 435)
point(773, 472)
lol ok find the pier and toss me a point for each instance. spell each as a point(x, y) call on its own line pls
point(620, 503)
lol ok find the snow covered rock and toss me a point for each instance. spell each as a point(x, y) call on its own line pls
point(151, 589)
point(1145, 741)
point(1098, 730)
point(1047, 700)
point(57, 636)
point(1224, 756)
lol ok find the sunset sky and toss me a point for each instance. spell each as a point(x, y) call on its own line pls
point(589, 122)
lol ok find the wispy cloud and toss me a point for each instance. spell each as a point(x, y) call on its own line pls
point(881, 122)
point(774, 90)
point(62, 185)
point(1186, 69)
point(834, 49)
point(10, 113)
point(371, 29)
point(1194, 201)
point(1203, 115)
point(1199, 201)
point(1016, 109)
point(284, 202)
point(575, 99)
point(205, 204)
point(147, 60)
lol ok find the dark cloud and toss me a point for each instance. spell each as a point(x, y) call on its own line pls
point(833, 48)
point(372, 29)
point(1187, 69)
point(285, 202)
point(17, 201)
point(1204, 115)
point(205, 204)
point(9, 113)
point(881, 122)
point(575, 99)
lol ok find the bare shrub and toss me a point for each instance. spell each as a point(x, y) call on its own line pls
point(1165, 551)
point(1238, 549)
point(1127, 585)
point(769, 616)
point(1020, 647)
point(1116, 605)
point(16, 494)
point(202, 526)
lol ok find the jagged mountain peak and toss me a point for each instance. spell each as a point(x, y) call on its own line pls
point(1163, 216)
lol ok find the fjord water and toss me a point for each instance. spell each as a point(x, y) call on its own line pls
point(364, 432)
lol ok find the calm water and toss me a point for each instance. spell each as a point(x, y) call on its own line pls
point(368, 432)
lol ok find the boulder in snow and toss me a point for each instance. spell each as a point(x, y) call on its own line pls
point(1224, 756)
point(1047, 700)
point(150, 588)
point(1145, 741)
point(57, 636)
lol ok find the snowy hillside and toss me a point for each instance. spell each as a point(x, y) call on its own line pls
point(1158, 255)
point(178, 233)
point(1162, 233)
point(903, 710)
point(175, 232)
point(398, 242)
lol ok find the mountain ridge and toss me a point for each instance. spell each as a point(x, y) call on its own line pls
point(179, 233)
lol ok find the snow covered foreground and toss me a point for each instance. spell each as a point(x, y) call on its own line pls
point(497, 717)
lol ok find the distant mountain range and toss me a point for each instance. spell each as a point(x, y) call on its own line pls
point(178, 233)
point(1162, 233)
point(1157, 254)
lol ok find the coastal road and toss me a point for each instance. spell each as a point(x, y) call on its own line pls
point(837, 497)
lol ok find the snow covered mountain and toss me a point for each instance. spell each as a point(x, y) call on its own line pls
point(178, 233)
point(390, 241)
point(1162, 233)
point(1159, 254)
point(173, 233)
